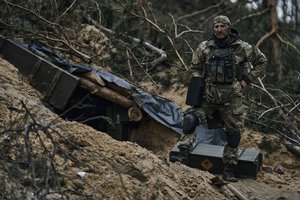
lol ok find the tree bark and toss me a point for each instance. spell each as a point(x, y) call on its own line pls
point(275, 40)
point(296, 5)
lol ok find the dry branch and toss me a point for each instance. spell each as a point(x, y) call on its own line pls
point(283, 122)
point(63, 39)
point(29, 151)
point(288, 43)
point(265, 37)
point(159, 29)
point(163, 55)
point(201, 11)
point(143, 68)
point(188, 29)
point(33, 13)
point(251, 16)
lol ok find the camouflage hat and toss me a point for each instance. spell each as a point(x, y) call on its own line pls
point(222, 19)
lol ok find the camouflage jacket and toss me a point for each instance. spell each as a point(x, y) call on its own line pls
point(249, 62)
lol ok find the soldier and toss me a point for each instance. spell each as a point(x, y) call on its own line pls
point(226, 65)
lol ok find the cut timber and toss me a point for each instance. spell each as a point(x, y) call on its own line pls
point(106, 93)
point(94, 77)
point(135, 114)
point(123, 91)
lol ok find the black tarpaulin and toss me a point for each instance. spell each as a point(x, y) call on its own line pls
point(160, 109)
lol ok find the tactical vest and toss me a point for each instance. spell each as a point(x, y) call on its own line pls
point(220, 67)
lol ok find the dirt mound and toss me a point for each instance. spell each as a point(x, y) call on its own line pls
point(110, 169)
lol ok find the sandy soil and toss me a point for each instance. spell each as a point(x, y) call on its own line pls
point(126, 170)
point(114, 169)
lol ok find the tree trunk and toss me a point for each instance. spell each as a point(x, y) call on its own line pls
point(277, 58)
point(135, 114)
point(275, 40)
point(295, 4)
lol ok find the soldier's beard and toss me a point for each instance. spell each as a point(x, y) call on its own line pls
point(222, 42)
point(221, 36)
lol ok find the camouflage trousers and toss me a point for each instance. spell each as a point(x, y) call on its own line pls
point(232, 115)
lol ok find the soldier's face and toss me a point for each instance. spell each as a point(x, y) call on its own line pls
point(221, 30)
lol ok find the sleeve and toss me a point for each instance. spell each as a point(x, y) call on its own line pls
point(198, 61)
point(258, 61)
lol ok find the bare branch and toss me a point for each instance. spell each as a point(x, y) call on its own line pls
point(265, 37)
point(65, 41)
point(99, 10)
point(65, 12)
point(288, 43)
point(251, 16)
point(151, 10)
point(129, 63)
point(33, 13)
point(142, 68)
point(297, 105)
point(201, 11)
point(67, 44)
point(162, 53)
point(189, 30)
point(285, 122)
point(269, 110)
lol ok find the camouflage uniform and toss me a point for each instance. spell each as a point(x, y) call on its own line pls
point(223, 67)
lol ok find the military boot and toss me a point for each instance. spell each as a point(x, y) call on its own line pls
point(228, 173)
point(183, 156)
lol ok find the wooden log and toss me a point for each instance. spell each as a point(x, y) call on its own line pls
point(123, 91)
point(295, 149)
point(93, 77)
point(236, 192)
point(106, 93)
point(135, 114)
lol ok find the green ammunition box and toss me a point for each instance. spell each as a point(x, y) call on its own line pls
point(209, 157)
